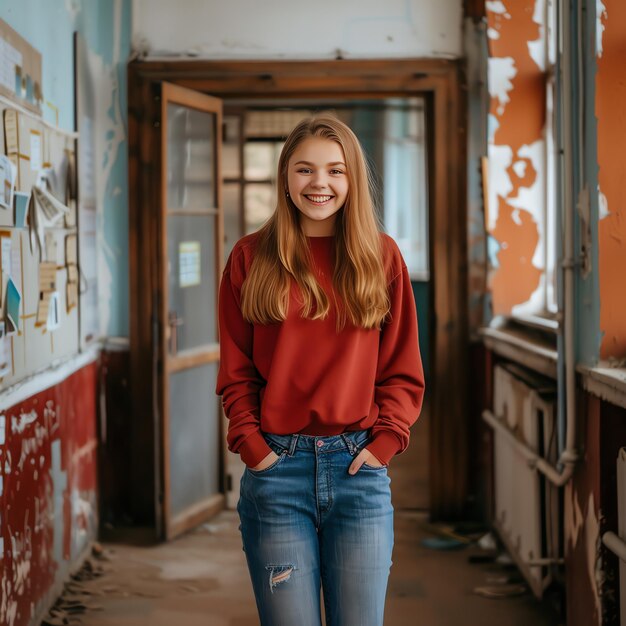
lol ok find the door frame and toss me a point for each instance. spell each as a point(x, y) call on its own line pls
point(441, 83)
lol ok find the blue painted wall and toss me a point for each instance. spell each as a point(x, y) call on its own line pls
point(106, 27)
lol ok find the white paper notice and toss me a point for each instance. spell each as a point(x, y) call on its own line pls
point(9, 58)
point(8, 176)
point(53, 321)
point(35, 151)
point(189, 263)
point(5, 247)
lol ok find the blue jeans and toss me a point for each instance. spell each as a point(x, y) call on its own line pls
point(306, 522)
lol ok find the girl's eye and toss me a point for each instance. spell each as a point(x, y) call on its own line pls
point(304, 170)
point(336, 171)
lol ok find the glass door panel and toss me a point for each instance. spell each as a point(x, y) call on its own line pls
point(192, 281)
point(192, 244)
point(194, 460)
point(191, 150)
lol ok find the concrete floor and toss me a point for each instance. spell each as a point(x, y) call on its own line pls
point(200, 579)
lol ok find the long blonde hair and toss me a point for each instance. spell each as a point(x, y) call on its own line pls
point(282, 252)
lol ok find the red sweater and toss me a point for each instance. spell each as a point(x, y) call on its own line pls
point(301, 376)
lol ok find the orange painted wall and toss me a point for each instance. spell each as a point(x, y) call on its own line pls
point(611, 114)
point(520, 121)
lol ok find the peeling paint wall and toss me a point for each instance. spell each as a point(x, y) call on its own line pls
point(610, 109)
point(48, 493)
point(516, 198)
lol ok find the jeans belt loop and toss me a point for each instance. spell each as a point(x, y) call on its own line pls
point(293, 444)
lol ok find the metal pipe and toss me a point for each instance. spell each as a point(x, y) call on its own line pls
point(615, 544)
point(535, 461)
point(569, 454)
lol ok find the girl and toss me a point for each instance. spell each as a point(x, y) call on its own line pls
point(321, 378)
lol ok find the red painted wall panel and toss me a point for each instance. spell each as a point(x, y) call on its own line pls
point(48, 469)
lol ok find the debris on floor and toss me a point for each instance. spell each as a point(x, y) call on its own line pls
point(501, 591)
point(443, 543)
point(76, 597)
point(449, 537)
point(445, 537)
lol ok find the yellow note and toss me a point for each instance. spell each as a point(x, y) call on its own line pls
point(43, 307)
point(71, 292)
point(47, 277)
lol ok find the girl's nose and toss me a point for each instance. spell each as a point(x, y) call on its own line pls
point(319, 180)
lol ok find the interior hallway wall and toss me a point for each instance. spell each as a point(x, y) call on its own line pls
point(516, 199)
point(48, 424)
point(284, 29)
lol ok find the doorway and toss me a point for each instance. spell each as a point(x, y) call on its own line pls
point(388, 95)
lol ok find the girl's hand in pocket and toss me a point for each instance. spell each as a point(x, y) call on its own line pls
point(272, 457)
point(365, 456)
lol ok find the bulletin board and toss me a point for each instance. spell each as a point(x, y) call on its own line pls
point(41, 283)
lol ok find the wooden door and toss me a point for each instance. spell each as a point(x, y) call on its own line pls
point(190, 268)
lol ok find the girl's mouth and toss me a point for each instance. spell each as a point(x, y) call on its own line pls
point(318, 199)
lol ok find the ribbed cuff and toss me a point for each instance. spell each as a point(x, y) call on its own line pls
point(384, 446)
point(254, 449)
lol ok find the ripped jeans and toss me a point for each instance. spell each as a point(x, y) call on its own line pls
point(306, 522)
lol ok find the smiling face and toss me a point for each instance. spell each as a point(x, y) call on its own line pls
point(318, 184)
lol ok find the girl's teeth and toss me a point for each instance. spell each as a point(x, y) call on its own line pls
point(319, 198)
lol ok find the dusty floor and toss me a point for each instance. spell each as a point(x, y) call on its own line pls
point(201, 579)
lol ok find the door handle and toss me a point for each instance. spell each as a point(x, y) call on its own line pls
point(173, 322)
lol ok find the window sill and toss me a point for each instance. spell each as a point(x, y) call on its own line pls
point(527, 349)
point(608, 383)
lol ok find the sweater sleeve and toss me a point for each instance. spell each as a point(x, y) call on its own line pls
point(399, 389)
point(238, 381)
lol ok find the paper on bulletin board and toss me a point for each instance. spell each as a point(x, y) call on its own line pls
point(36, 150)
point(42, 308)
point(21, 208)
point(188, 263)
point(44, 211)
point(8, 179)
point(71, 295)
point(53, 320)
point(72, 274)
point(51, 247)
point(12, 307)
point(5, 254)
point(71, 250)
point(5, 351)
point(47, 277)
point(23, 135)
point(47, 286)
point(10, 60)
point(11, 139)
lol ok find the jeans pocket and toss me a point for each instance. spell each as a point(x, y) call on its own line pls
point(269, 468)
point(374, 467)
